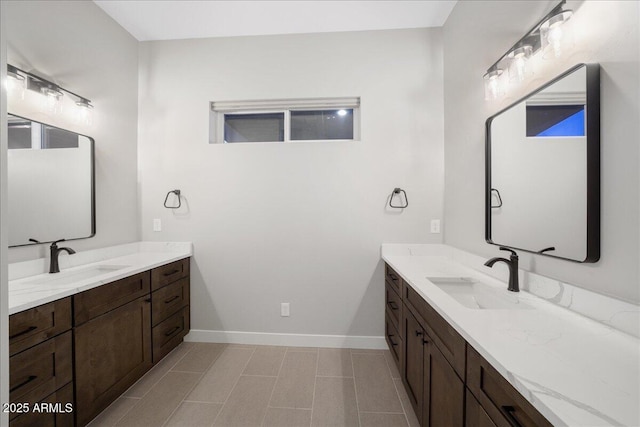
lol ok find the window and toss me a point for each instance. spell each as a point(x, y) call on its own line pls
point(555, 120)
point(334, 119)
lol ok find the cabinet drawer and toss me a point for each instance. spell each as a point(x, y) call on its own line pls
point(59, 417)
point(393, 304)
point(169, 334)
point(393, 278)
point(166, 301)
point(33, 326)
point(39, 371)
point(502, 402)
point(169, 273)
point(394, 341)
point(95, 302)
point(450, 342)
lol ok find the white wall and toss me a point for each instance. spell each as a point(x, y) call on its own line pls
point(76, 45)
point(474, 36)
point(300, 222)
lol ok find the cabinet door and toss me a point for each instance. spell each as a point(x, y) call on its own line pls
point(112, 351)
point(476, 416)
point(413, 366)
point(443, 395)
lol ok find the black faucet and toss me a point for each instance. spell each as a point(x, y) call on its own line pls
point(512, 262)
point(55, 251)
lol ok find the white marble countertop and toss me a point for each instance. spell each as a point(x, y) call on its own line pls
point(31, 287)
point(574, 370)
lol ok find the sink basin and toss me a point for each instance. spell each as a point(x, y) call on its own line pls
point(66, 277)
point(472, 294)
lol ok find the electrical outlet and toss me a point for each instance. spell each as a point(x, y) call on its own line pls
point(157, 224)
point(435, 226)
point(284, 309)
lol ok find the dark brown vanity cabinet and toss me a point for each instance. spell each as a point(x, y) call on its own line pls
point(113, 344)
point(393, 316)
point(97, 342)
point(448, 383)
point(499, 399)
point(169, 306)
point(40, 364)
point(434, 389)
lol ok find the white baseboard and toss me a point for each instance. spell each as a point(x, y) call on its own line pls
point(292, 340)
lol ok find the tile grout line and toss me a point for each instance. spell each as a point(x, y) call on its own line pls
point(274, 384)
point(406, 416)
point(182, 401)
point(315, 382)
point(147, 392)
point(234, 386)
point(355, 387)
point(192, 387)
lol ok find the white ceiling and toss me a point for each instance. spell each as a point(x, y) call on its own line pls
point(167, 20)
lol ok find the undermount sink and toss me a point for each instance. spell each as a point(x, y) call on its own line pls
point(65, 277)
point(472, 294)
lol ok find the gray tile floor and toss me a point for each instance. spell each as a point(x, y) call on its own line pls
point(241, 385)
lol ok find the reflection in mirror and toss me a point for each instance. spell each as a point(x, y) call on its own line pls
point(543, 173)
point(50, 180)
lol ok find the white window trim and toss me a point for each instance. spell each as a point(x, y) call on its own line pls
point(220, 108)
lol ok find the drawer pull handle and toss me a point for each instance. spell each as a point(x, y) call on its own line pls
point(393, 277)
point(418, 333)
point(26, 331)
point(425, 341)
point(391, 341)
point(393, 305)
point(167, 301)
point(172, 331)
point(509, 413)
point(147, 300)
point(23, 383)
point(171, 272)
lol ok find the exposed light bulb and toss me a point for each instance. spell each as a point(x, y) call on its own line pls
point(84, 113)
point(52, 99)
point(492, 86)
point(518, 67)
point(553, 34)
point(14, 83)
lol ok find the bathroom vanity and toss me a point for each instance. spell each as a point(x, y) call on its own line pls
point(470, 353)
point(84, 350)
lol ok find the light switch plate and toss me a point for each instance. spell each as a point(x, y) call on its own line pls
point(435, 226)
point(157, 224)
point(284, 309)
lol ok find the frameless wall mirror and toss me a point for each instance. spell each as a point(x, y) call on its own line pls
point(543, 169)
point(51, 183)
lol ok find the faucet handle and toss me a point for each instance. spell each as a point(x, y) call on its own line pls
point(513, 253)
point(55, 244)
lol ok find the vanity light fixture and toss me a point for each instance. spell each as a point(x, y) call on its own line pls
point(553, 33)
point(84, 113)
point(547, 36)
point(52, 93)
point(492, 86)
point(15, 81)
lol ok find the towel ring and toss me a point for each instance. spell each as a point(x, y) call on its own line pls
point(177, 193)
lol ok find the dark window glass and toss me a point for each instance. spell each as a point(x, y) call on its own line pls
point(263, 127)
point(555, 120)
point(324, 124)
point(58, 138)
point(19, 135)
